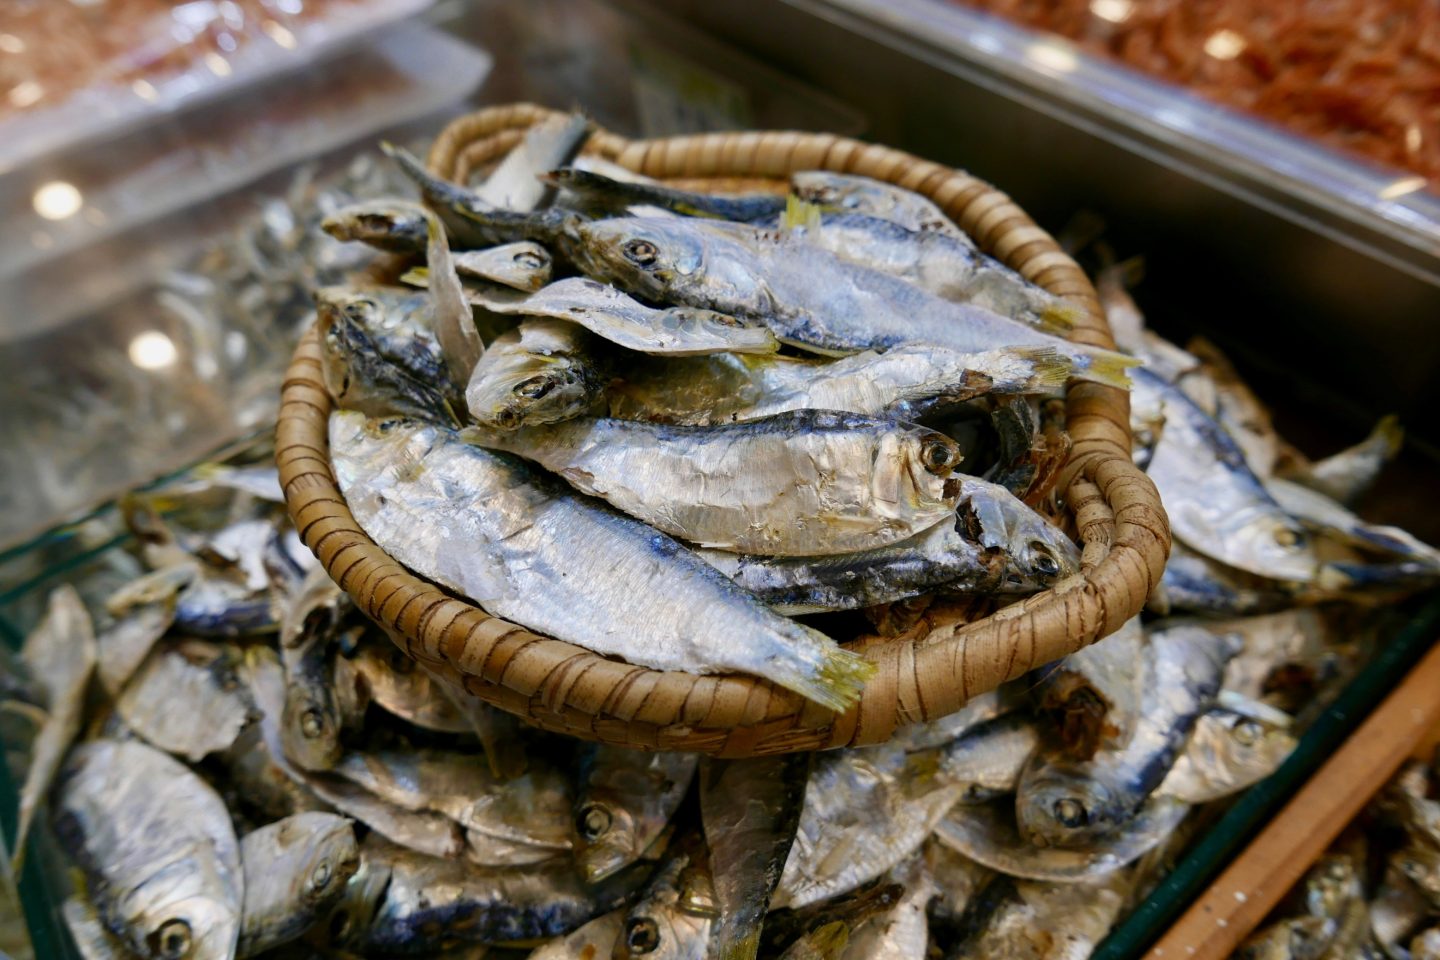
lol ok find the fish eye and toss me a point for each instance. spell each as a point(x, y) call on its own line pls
point(528, 259)
point(312, 723)
point(320, 876)
point(1289, 539)
point(642, 253)
point(172, 940)
point(1247, 733)
point(357, 309)
point(1070, 812)
point(592, 821)
point(1043, 563)
point(939, 457)
point(642, 935)
point(534, 388)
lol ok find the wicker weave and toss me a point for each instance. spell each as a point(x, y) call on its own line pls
point(565, 688)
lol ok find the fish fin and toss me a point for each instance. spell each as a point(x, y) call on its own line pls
point(835, 683)
point(1058, 317)
point(1391, 432)
point(830, 939)
point(1051, 368)
point(408, 163)
point(1105, 367)
point(799, 214)
point(416, 277)
point(745, 948)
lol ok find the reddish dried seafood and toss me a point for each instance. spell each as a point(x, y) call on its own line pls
point(1359, 75)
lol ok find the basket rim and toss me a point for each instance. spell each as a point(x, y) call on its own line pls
point(563, 687)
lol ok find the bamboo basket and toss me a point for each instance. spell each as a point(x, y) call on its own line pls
point(564, 688)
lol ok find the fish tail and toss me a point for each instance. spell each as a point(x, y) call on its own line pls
point(416, 277)
point(1106, 367)
point(835, 682)
point(744, 948)
point(799, 214)
point(1058, 316)
point(830, 939)
point(1049, 368)
point(1389, 431)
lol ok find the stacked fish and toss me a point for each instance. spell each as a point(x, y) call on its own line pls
point(1376, 892)
point(587, 425)
point(240, 765)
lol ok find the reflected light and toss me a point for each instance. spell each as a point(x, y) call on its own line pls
point(1414, 139)
point(57, 200)
point(26, 94)
point(218, 65)
point(145, 90)
point(289, 6)
point(9, 43)
point(1049, 55)
point(1401, 187)
point(1224, 44)
point(152, 350)
point(277, 32)
point(1115, 11)
point(226, 42)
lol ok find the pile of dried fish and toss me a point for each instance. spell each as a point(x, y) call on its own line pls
point(1376, 892)
point(239, 765)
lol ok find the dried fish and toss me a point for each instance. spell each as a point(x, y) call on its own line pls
point(623, 801)
point(295, 870)
point(187, 699)
point(543, 371)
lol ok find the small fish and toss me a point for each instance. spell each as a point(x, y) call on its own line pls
point(807, 296)
point(524, 265)
point(1064, 802)
point(543, 371)
point(852, 193)
point(187, 699)
point(987, 834)
point(1219, 390)
point(564, 566)
point(296, 870)
point(827, 942)
point(398, 322)
point(1346, 476)
point(523, 820)
point(428, 901)
point(358, 377)
point(619, 196)
point(865, 811)
point(1029, 920)
point(1285, 657)
point(454, 323)
point(124, 645)
point(310, 723)
point(804, 483)
point(515, 183)
point(785, 926)
point(398, 686)
point(1227, 752)
point(1215, 502)
point(903, 932)
point(395, 226)
point(1325, 517)
point(988, 759)
point(612, 315)
point(623, 801)
point(674, 918)
point(92, 940)
point(157, 847)
point(260, 784)
point(1093, 697)
point(1293, 938)
point(60, 655)
point(595, 940)
point(750, 809)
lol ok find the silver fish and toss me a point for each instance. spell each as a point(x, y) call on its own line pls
point(428, 901)
point(1327, 518)
point(804, 483)
point(605, 193)
point(852, 193)
point(807, 296)
point(1280, 652)
point(523, 265)
point(523, 820)
point(1220, 392)
point(1216, 504)
point(1193, 583)
point(903, 932)
point(397, 685)
point(60, 655)
point(750, 810)
point(987, 834)
point(987, 760)
point(262, 785)
point(1064, 802)
point(668, 923)
point(1093, 696)
point(1396, 910)
point(158, 848)
point(454, 323)
point(187, 699)
point(906, 381)
point(295, 870)
point(92, 940)
point(1346, 476)
point(623, 801)
point(594, 941)
point(515, 182)
point(554, 562)
point(359, 377)
point(626, 322)
point(1026, 920)
point(395, 226)
point(865, 811)
point(543, 371)
point(310, 723)
point(1227, 752)
point(124, 645)
point(400, 324)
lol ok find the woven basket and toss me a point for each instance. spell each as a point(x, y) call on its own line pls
point(565, 688)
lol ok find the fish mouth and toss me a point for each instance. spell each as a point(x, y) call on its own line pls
point(604, 859)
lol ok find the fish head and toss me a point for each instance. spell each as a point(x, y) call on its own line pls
point(670, 922)
point(389, 224)
point(330, 856)
point(827, 190)
point(1268, 541)
point(606, 838)
point(310, 727)
point(360, 899)
point(1037, 553)
point(1069, 810)
point(192, 926)
point(513, 388)
point(915, 467)
point(1251, 747)
point(644, 255)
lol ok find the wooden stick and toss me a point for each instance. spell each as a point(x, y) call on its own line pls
point(1250, 887)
